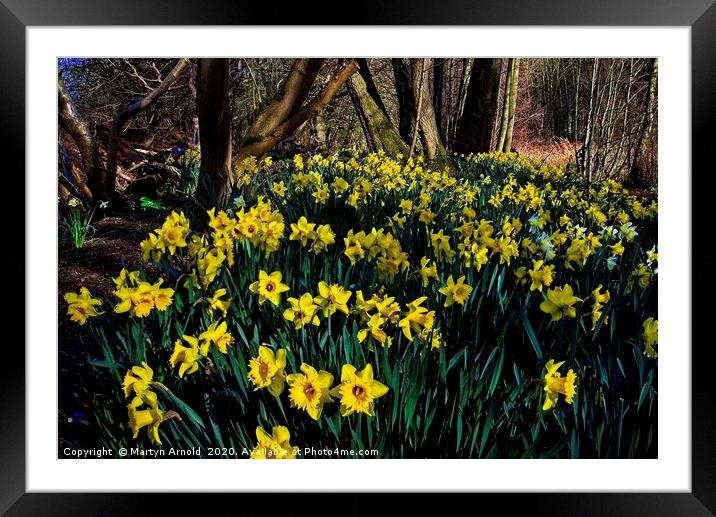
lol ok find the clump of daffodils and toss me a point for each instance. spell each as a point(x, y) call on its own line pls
point(143, 410)
point(139, 297)
point(189, 356)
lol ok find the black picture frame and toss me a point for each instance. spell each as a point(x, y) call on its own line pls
point(700, 15)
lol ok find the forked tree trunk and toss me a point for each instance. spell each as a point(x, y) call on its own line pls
point(72, 122)
point(124, 114)
point(288, 112)
point(474, 128)
point(212, 106)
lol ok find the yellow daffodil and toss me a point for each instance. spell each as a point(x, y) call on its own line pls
point(540, 275)
point(173, 233)
point(406, 206)
point(358, 390)
point(354, 249)
point(188, 356)
point(643, 275)
point(375, 330)
point(321, 195)
point(274, 446)
point(323, 237)
point(455, 292)
point(441, 246)
point(309, 390)
point(266, 370)
point(426, 217)
point(427, 272)
point(507, 248)
point(81, 306)
point(559, 303)
point(151, 417)
point(554, 384)
point(302, 311)
point(599, 300)
point(332, 298)
point(521, 275)
point(417, 319)
point(617, 248)
point(651, 337)
point(302, 231)
point(340, 185)
point(138, 380)
point(279, 189)
point(269, 287)
point(217, 334)
point(217, 304)
point(436, 341)
point(162, 296)
point(151, 247)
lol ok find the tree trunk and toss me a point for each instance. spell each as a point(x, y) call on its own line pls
point(287, 112)
point(212, 106)
point(639, 174)
point(124, 113)
point(321, 134)
point(195, 118)
point(377, 127)
point(438, 97)
point(474, 128)
point(432, 143)
point(591, 115)
point(406, 101)
point(361, 112)
point(514, 81)
point(504, 118)
point(72, 122)
point(371, 88)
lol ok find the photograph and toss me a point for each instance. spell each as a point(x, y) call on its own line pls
point(357, 257)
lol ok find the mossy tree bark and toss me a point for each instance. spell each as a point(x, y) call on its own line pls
point(126, 111)
point(71, 121)
point(427, 122)
point(474, 128)
point(380, 133)
point(212, 105)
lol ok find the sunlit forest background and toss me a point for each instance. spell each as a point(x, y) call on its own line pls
point(597, 115)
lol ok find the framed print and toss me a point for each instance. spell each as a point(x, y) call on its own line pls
point(450, 255)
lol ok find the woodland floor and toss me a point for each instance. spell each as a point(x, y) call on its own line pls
point(114, 244)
